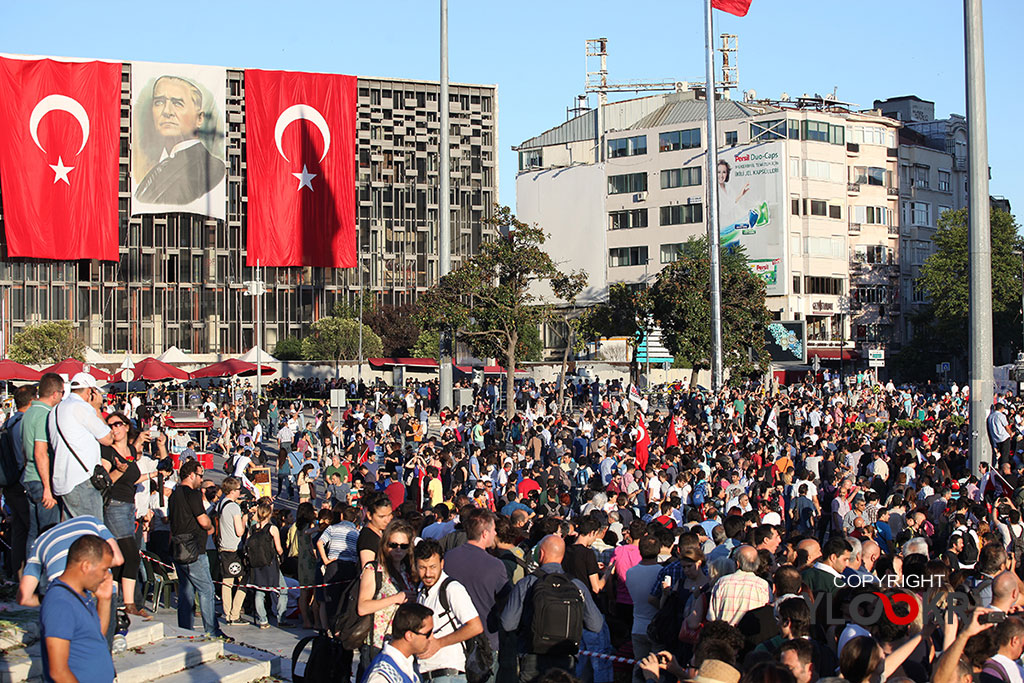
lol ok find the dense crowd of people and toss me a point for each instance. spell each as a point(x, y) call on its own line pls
point(829, 530)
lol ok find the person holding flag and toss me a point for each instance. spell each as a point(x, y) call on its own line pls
point(642, 438)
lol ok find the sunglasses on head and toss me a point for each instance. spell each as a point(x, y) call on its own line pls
point(398, 546)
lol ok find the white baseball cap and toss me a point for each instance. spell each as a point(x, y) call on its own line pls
point(83, 380)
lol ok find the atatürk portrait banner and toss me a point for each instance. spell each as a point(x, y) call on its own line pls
point(178, 150)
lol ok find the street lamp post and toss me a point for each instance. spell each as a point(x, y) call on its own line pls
point(256, 289)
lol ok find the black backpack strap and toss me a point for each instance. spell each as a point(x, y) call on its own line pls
point(296, 652)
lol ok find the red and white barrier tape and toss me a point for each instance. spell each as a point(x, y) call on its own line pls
point(610, 658)
point(269, 589)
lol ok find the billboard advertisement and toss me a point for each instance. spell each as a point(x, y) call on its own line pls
point(786, 341)
point(178, 147)
point(751, 205)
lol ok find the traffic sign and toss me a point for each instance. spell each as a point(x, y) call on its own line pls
point(944, 367)
point(127, 375)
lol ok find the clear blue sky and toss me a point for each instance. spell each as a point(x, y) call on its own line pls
point(534, 50)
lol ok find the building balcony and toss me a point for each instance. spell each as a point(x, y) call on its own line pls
point(853, 188)
point(893, 191)
point(854, 228)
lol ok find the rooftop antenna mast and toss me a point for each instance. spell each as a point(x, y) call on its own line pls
point(596, 69)
point(730, 63)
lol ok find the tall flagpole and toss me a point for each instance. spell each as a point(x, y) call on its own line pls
point(979, 238)
point(712, 203)
point(444, 235)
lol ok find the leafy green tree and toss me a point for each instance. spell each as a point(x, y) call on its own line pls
point(493, 300)
point(627, 313)
point(46, 343)
point(289, 348)
point(945, 278)
point(682, 306)
point(337, 339)
point(427, 345)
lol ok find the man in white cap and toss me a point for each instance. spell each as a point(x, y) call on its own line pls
point(76, 431)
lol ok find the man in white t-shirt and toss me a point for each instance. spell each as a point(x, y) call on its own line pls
point(455, 617)
point(640, 582)
point(76, 432)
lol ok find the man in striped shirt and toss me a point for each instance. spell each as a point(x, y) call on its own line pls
point(49, 554)
point(738, 593)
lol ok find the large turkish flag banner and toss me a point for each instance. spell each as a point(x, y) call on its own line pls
point(59, 145)
point(301, 149)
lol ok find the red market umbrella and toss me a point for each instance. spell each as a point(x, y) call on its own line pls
point(72, 367)
point(230, 368)
point(153, 370)
point(11, 370)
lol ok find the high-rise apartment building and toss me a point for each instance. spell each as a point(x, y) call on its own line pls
point(824, 232)
point(179, 281)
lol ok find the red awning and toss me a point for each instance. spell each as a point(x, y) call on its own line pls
point(154, 370)
point(230, 368)
point(72, 367)
point(11, 370)
point(830, 353)
point(423, 363)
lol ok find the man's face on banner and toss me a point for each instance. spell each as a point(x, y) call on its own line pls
point(176, 116)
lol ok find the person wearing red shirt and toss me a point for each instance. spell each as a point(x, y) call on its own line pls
point(526, 486)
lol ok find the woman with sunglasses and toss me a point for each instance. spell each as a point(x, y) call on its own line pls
point(385, 584)
point(121, 460)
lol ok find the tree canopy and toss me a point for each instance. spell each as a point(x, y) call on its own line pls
point(682, 306)
point(628, 312)
point(337, 339)
point(492, 299)
point(46, 343)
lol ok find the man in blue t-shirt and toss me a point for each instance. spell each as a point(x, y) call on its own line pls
point(76, 612)
point(48, 556)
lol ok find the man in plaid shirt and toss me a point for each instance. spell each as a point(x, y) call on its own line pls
point(736, 594)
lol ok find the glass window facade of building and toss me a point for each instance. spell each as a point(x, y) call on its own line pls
point(627, 147)
point(179, 280)
point(679, 139)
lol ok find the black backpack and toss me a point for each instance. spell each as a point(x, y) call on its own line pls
point(347, 625)
point(478, 650)
point(323, 656)
point(10, 471)
point(557, 624)
point(668, 620)
point(259, 548)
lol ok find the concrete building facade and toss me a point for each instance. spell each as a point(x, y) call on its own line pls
point(840, 186)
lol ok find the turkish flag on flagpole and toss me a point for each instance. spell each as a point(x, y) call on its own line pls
point(59, 157)
point(300, 154)
point(737, 7)
point(643, 442)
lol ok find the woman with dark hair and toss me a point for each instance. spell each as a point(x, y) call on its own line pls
point(385, 584)
point(120, 459)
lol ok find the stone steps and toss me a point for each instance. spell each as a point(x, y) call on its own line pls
point(156, 652)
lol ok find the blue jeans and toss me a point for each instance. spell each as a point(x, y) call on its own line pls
point(39, 518)
point(449, 679)
point(593, 668)
point(195, 578)
point(83, 500)
point(261, 597)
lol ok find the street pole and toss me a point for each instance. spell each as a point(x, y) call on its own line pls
point(444, 235)
point(256, 302)
point(712, 198)
point(979, 240)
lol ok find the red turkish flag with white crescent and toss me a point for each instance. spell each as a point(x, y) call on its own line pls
point(59, 148)
point(301, 159)
point(643, 442)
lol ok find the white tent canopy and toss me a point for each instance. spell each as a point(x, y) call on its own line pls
point(92, 357)
point(174, 355)
point(250, 356)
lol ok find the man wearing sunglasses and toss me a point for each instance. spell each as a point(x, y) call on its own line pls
point(76, 433)
point(412, 629)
